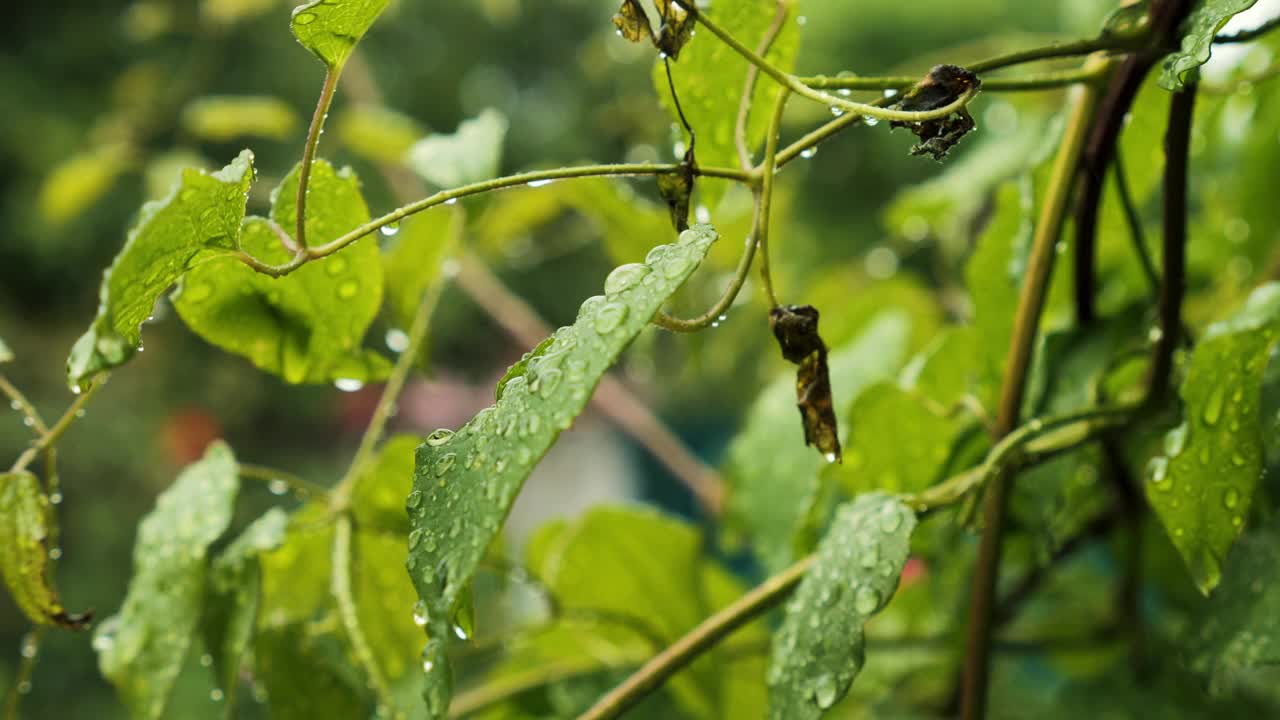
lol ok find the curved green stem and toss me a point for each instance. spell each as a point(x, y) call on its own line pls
point(749, 87)
point(309, 151)
point(1074, 48)
point(768, 170)
point(302, 488)
point(340, 588)
point(20, 403)
point(1137, 237)
point(1040, 81)
point(51, 437)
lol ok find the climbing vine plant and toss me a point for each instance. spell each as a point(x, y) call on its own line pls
point(916, 495)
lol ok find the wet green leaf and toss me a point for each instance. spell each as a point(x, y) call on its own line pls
point(79, 181)
point(464, 484)
point(24, 555)
point(142, 648)
point(1206, 19)
point(472, 154)
point(297, 670)
point(385, 602)
point(306, 326)
point(231, 604)
point(921, 444)
point(376, 133)
point(415, 260)
point(709, 78)
point(377, 499)
point(819, 649)
point(1202, 486)
point(199, 220)
point(772, 476)
point(227, 117)
point(331, 28)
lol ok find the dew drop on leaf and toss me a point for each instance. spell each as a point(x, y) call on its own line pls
point(624, 277)
point(824, 691)
point(609, 317)
point(866, 600)
point(439, 437)
point(1213, 406)
point(1175, 440)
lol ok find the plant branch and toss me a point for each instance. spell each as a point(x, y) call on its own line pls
point(749, 87)
point(31, 416)
point(309, 152)
point(26, 667)
point(48, 439)
point(302, 488)
point(702, 638)
point(1074, 48)
point(1137, 236)
point(1177, 141)
point(1025, 328)
point(768, 170)
point(340, 588)
point(1041, 81)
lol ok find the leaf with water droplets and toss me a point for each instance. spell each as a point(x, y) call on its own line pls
point(772, 475)
point(331, 28)
point(230, 611)
point(24, 555)
point(308, 325)
point(299, 669)
point(814, 663)
point(142, 648)
point(467, 485)
point(1196, 43)
point(1201, 488)
point(199, 220)
point(472, 154)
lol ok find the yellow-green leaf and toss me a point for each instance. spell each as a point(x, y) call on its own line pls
point(227, 117)
point(78, 182)
point(376, 133)
point(24, 556)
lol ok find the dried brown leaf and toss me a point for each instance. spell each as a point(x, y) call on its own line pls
point(796, 328)
point(943, 85)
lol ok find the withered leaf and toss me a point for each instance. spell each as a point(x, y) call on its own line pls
point(943, 85)
point(676, 27)
point(633, 22)
point(796, 328)
point(676, 188)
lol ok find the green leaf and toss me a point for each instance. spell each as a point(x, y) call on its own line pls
point(376, 133)
point(921, 444)
point(1206, 19)
point(385, 601)
point(306, 326)
point(772, 475)
point(295, 576)
point(819, 649)
point(709, 78)
point(377, 499)
point(199, 220)
point(471, 154)
point(141, 649)
point(297, 670)
point(464, 484)
point(6, 355)
point(24, 557)
point(415, 262)
point(227, 117)
point(81, 180)
point(1202, 486)
point(331, 28)
point(231, 604)
point(1238, 632)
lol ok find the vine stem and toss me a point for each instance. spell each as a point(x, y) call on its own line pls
point(749, 86)
point(768, 169)
point(340, 587)
point(302, 488)
point(48, 439)
point(449, 196)
point(1136, 234)
point(309, 152)
point(1039, 81)
point(23, 405)
point(1025, 327)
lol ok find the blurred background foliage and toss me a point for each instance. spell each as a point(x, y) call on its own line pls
point(107, 100)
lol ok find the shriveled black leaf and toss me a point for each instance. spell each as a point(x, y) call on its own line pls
point(676, 28)
point(676, 188)
point(943, 85)
point(796, 328)
point(633, 22)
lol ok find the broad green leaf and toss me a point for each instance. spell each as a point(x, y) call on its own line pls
point(709, 78)
point(142, 648)
point(227, 117)
point(819, 649)
point(231, 605)
point(6, 355)
point(199, 220)
point(306, 326)
point(24, 558)
point(1238, 633)
point(415, 261)
point(1202, 486)
point(376, 133)
point(464, 485)
point(377, 499)
point(1206, 19)
point(74, 185)
point(295, 576)
point(772, 475)
point(297, 670)
point(921, 443)
point(471, 154)
point(331, 28)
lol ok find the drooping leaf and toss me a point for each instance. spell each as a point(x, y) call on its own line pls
point(331, 28)
point(709, 79)
point(78, 182)
point(141, 649)
point(796, 329)
point(199, 220)
point(306, 326)
point(819, 649)
point(943, 85)
point(1205, 20)
point(633, 22)
point(772, 476)
point(471, 154)
point(675, 27)
point(376, 133)
point(676, 189)
point(231, 604)
point(919, 443)
point(416, 259)
point(24, 557)
point(1202, 486)
point(227, 117)
point(464, 485)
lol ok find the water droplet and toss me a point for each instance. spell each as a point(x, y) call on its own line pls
point(397, 340)
point(808, 152)
point(824, 691)
point(890, 519)
point(55, 498)
point(457, 630)
point(440, 437)
point(348, 384)
point(390, 229)
point(420, 614)
point(414, 501)
point(277, 486)
point(415, 538)
point(702, 214)
point(831, 457)
point(55, 553)
point(866, 600)
point(1175, 441)
point(451, 201)
point(1157, 472)
point(443, 464)
point(870, 120)
point(216, 695)
point(348, 289)
point(837, 111)
point(1231, 499)
point(1213, 406)
point(677, 264)
point(427, 665)
point(305, 18)
point(624, 277)
point(539, 183)
point(29, 646)
point(609, 317)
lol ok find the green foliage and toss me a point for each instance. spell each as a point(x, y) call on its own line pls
point(6, 355)
point(464, 483)
point(1203, 484)
point(331, 28)
point(471, 154)
point(228, 117)
point(415, 261)
point(819, 649)
point(376, 133)
point(198, 221)
point(308, 325)
point(142, 648)
point(1201, 26)
point(24, 552)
